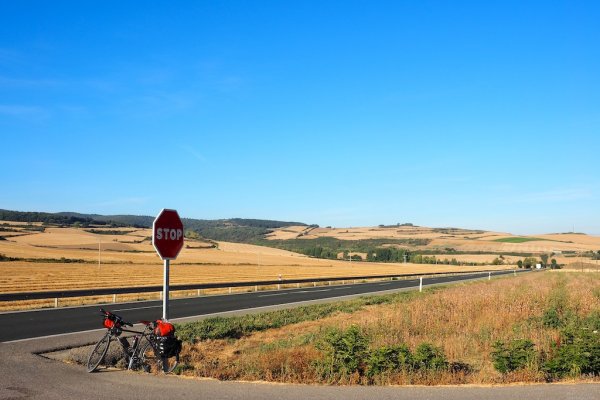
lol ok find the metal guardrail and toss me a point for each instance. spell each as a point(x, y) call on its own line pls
point(59, 294)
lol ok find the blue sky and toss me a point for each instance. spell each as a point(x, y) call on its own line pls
point(470, 114)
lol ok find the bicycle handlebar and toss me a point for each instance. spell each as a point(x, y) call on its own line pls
point(114, 317)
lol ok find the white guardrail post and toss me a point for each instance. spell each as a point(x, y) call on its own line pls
point(420, 284)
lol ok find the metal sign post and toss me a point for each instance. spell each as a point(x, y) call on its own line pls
point(165, 315)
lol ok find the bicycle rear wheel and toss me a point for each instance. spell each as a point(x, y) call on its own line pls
point(98, 353)
point(151, 361)
point(168, 364)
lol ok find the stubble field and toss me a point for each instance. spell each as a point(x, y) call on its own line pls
point(74, 258)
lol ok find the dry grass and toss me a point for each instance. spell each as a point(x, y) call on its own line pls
point(463, 320)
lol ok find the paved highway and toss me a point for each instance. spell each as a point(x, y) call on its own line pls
point(46, 322)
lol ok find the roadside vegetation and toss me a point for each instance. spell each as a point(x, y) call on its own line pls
point(534, 328)
point(377, 250)
point(518, 239)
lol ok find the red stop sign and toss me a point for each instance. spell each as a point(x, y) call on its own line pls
point(167, 234)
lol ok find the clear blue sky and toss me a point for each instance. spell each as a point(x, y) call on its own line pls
point(472, 114)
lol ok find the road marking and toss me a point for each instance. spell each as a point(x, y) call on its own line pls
point(313, 291)
point(384, 284)
point(135, 308)
point(274, 294)
point(57, 335)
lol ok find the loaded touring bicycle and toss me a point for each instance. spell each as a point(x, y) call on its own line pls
point(154, 349)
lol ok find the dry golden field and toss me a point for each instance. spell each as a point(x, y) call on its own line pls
point(105, 261)
point(128, 259)
point(460, 239)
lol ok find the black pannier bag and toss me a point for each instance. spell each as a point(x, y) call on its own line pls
point(169, 346)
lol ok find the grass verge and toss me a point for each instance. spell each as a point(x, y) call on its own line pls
point(522, 329)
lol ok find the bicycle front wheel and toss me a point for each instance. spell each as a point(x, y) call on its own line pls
point(98, 353)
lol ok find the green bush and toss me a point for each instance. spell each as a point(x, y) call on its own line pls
point(389, 358)
point(517, 355)
point(345, 351)
point(578, 351)
point(551, 318)
point(593, 321)
point(429, 357)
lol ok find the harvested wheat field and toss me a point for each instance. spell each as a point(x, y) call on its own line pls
point(75, 258)
point(534, 328)
point(463, 240)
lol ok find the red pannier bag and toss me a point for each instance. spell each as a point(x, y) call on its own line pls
point(109, 323)
point(164, 328)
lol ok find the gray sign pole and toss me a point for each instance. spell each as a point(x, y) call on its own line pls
point(166, 291)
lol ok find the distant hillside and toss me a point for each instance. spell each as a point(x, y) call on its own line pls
point(231, 230)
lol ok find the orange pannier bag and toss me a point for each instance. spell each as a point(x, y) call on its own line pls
point(164, 328)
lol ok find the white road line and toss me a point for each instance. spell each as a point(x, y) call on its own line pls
point(384, 284)
point(57, 335)
point(274, 294)
point(136, 308)
point(313, 291)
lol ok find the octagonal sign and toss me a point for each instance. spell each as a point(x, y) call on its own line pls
point(167, 234)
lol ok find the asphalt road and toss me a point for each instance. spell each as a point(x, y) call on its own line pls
point(46, 322)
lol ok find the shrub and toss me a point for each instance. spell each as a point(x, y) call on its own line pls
point(578, 351)
point(517, 355)
point(389, 358)
point(551, 319)
point(593, 321)
point(345, 351)
point(429, 357)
